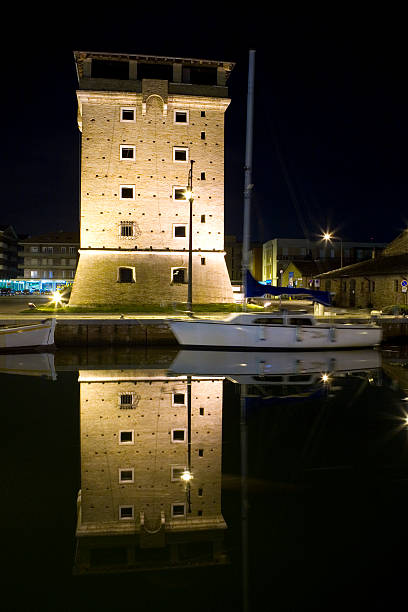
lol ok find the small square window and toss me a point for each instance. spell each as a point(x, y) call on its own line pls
point(127, 192)
point(203, 176)
point(179, 276)
point(180, 116)
point(178, 435)
point(126, 512)
point(202, 135)
point(203, 261)
point(201, 452)
point(200, 492)
point(179, 193)
point(125, 399)
point(201, 411)
point(178, 510)
point(180, 154)
point(127, 152)
point(176, 472)
point(203, 113)
point(126, 275)
point(126, 475)
point(202, 218)
point(179, 399)
point(126, 229)
point(126, 437)
point(128, 114)
point(179, 231)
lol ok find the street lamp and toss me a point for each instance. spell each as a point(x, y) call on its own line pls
point(189, 197)
point(328, 238)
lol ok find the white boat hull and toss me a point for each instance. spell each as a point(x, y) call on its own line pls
point(216, 334)
point(28, 336)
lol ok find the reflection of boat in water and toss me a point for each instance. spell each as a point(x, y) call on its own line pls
point(274, 367)
point(283, 374)
point(28, 364)
point(28, 336)
point(273, 331)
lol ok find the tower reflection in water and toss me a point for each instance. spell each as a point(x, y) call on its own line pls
point(150, 493)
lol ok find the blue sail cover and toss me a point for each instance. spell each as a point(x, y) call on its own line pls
point(257, 289)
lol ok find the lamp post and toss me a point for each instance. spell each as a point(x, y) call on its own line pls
point(189, 196)
point(328, 238)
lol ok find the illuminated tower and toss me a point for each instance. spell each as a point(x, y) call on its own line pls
point(143, 119)
point(141, 433)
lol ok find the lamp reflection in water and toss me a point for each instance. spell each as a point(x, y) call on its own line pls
point(142, 433)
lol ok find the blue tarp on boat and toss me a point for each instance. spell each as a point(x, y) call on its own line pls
point(257, 289)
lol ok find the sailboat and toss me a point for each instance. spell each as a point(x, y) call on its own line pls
point(280, 330)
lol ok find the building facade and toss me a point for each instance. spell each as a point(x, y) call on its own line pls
point(279, 251)
point(52, 256)
point(375, 283)
point(140, 432)
point(143, 121)
point(8, 252)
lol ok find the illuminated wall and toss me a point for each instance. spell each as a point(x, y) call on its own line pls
point(135, 432)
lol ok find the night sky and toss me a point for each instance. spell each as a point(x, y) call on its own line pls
point(330, 113)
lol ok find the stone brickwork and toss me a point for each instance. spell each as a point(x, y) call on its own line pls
point(129, 173)
point(360, 292)
point(158, 405)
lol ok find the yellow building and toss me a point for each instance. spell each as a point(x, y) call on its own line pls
point(142, 434)
point(143, 120)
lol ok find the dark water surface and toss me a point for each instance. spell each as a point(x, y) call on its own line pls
point(299, 495)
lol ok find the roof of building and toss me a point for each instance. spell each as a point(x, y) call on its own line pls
point(310, 268)
point(55, 238)
point(390, 264)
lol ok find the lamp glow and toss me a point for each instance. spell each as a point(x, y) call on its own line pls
point(186, 476)
point(56, 298)
point(188, 194)
point(325, 378)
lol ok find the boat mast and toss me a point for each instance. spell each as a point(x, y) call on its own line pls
point(248, 172)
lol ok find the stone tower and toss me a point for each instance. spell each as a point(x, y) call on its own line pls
point(143, 119)
point(140, 431)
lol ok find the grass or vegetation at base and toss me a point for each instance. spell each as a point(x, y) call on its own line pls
point(397, 309)
point(143, 308)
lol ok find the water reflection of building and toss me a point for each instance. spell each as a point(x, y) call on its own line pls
point(140, 431)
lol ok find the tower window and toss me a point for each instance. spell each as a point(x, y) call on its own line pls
point(179, 231)
point(126, 437)
point(202, 218)
point(127, 192)
point(128, 114)
point(180, 154)
point(110, 69)
point(179, 193)
point(203, 261)
point(179, 276)
point(181, 117)
point(178, 510)
point(203, 176)
point(203, 113)
point(127, 229)
point(125, 512)
point(202, 135)
point(178, 435)
point(127, 152)
point(126, 475)
point(179, 399)
point(126, 275)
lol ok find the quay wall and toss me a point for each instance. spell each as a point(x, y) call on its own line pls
point(155, 332)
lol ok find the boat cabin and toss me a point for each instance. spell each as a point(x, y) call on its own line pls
point(294, 319)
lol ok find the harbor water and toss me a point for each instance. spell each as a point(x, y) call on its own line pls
point(163, 479)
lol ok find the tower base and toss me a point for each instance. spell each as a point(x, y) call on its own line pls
point(98, 278)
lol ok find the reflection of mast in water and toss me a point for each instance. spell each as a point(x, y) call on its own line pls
point(150, 471)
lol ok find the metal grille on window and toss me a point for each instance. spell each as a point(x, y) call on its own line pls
point(126, 229)
point(128, 401)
